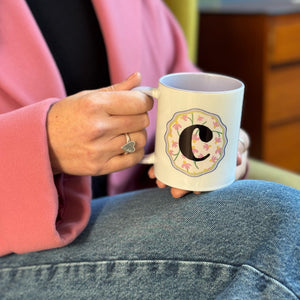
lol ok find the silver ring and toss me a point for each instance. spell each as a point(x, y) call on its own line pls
point(129, 147)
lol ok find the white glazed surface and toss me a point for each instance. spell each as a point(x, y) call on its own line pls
point(213, 99)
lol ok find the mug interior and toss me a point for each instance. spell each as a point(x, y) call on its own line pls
point(201, 82)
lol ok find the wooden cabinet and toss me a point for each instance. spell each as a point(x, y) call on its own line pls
point(263, 50)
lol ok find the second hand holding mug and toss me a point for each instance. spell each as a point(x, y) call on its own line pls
point(197, 130)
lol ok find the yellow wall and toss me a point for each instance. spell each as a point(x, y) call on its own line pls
point(186, 11)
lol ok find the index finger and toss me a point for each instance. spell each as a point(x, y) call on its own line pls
point(126, 102)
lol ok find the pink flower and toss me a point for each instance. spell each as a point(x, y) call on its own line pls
point(213, 159)
point(186, 165)
point(184, 117)
point(195, 137)
point(219, 150)
point(174, 144)
point(194, 150)
point(216, 124)
point(217, 140)
point(206, 146)
point(199, 118)
point(171, 152)
point(177, 126)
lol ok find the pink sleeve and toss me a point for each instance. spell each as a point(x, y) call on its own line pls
point(37, 211)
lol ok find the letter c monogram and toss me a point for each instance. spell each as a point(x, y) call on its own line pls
point(185, 140)
point(195, 141)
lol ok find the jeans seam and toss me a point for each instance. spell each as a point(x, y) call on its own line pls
point(274, 280)
point(118, 261)
point(190, 262)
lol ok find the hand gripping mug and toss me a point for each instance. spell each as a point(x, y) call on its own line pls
point(197, 130)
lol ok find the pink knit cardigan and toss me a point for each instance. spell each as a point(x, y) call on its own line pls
point(37, 210)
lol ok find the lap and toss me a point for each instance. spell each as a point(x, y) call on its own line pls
point(240, 238)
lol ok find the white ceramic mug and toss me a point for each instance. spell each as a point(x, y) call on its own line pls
point(197, 130)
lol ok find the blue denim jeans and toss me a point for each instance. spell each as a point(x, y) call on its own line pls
point(240, 242)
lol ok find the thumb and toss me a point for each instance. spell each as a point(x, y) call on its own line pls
point(131, 82)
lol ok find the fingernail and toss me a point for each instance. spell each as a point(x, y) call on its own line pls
point(132, 75)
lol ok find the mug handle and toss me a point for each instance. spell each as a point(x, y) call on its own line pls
point(152, 92)
point(148, 159)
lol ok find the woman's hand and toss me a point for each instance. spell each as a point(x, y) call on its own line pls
point(242, 160)
point(242, 155)
point(87, 130)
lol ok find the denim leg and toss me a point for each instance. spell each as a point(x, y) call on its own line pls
point(240, 242)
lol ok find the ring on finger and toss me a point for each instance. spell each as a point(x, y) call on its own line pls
point(129, 147)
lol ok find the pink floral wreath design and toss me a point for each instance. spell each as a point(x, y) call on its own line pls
point(212, 151)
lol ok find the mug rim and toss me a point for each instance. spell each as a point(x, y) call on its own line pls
point(206, 74)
